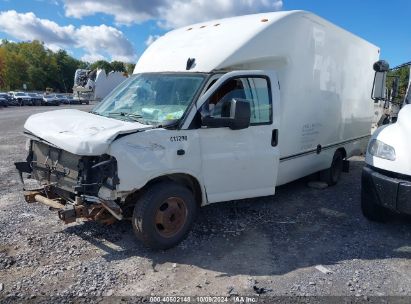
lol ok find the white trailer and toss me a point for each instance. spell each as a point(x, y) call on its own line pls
point(217, 111)
point(95, 85)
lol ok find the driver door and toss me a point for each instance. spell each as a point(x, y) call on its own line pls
point(239, 164)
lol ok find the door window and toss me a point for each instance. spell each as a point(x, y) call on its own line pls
point(255, 90)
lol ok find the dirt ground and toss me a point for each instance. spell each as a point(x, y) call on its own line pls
point(268, 246)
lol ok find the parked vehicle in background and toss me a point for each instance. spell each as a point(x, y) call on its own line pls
point(36, 99)
point(386, 178)
point(61, 98)
point(51, 100)
point(8, 98)
point(22, 98)
point(81, 100)
point(71, 100)
point(217, 111)
point(3, 101)
point(66, 99)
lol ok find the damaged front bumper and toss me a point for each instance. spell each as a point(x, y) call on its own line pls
point(85, 207)
point(72, 184)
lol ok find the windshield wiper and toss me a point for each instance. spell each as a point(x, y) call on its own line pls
point(135, 117)
point(95, 113)
point(168, 124)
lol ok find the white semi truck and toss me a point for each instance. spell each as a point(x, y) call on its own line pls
point(386, 178)
point(217, 111)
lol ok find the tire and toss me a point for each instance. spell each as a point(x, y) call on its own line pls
point(164, 215)
point(332, 175)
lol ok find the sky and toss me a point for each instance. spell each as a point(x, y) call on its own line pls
point(122, 29)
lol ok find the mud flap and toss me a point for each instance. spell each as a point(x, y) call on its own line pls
point(346, 166)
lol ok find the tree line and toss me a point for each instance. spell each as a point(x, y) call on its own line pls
point(36, 67)
point(402, 75)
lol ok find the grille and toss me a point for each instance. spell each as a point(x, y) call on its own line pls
point(54, 166)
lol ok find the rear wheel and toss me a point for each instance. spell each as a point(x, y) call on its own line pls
point(164, 215)
point(332, 175)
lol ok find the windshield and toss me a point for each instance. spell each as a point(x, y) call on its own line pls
point(20, 94)
point(158, 99)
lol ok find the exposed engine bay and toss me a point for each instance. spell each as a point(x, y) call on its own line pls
point(71, 183)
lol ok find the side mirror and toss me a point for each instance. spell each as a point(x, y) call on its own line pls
point(379, 91)
point(381, 66)
point(395, 87)
point(235, 114)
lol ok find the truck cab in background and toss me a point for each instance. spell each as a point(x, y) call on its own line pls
point(386, 178)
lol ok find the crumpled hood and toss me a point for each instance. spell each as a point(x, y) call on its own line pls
point(79, 132)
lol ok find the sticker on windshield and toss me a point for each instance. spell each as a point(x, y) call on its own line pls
point(178, 138)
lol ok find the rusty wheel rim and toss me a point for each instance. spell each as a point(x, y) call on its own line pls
point(170, 217)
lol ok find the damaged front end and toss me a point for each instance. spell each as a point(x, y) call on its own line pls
point(76, 186)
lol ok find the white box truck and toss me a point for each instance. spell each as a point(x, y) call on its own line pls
point(95, 84)
point(217, 111)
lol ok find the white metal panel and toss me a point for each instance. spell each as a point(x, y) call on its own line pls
point(105, 83)
point(239, 164)
point(220, 44)
point(210, 43)
point(144, 156)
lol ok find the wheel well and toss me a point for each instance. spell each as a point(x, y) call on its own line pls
point(183, 179)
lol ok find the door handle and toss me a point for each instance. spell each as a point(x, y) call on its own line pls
point(274, 138)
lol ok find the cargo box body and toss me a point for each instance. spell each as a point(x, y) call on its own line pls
point(324, 72)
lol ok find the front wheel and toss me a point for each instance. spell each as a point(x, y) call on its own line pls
point(164, 215)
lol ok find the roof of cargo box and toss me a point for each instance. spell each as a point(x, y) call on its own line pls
point(221, 44)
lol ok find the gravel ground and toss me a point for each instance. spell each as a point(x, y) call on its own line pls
point(268, 246)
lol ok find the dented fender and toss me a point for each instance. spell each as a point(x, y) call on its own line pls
point(144, 156)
